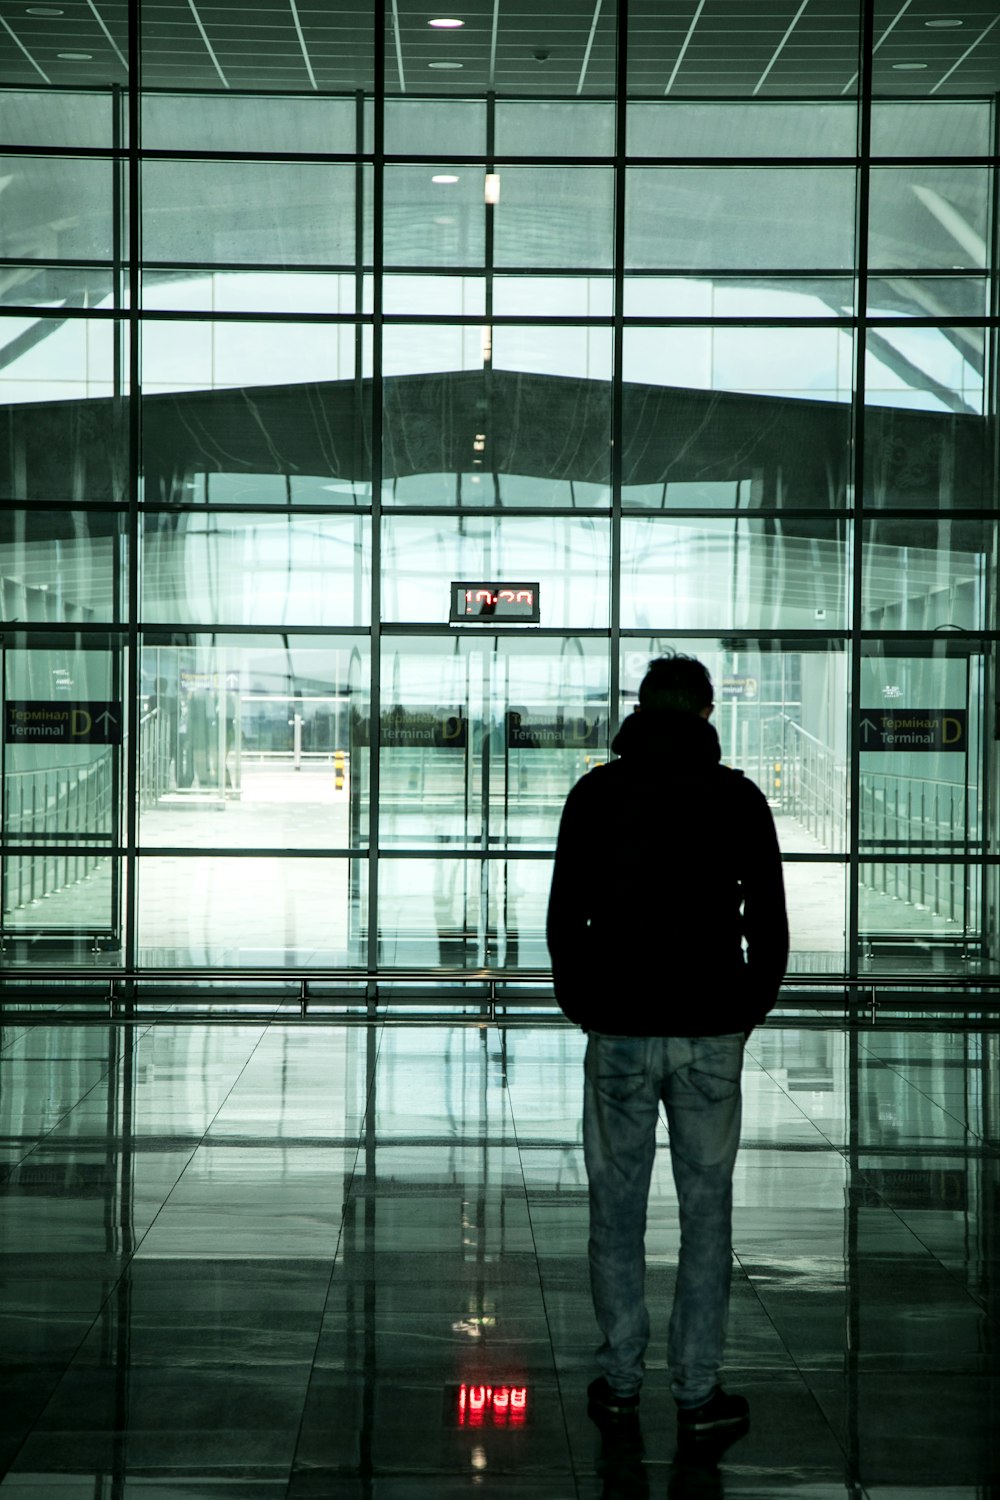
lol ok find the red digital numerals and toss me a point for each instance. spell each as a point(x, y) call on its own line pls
point(499, 1406)
point(502, 596)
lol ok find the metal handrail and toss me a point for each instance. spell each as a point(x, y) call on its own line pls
point(465, 977)
point(62, 806)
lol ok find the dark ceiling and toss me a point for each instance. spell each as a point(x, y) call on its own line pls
point(676, 48)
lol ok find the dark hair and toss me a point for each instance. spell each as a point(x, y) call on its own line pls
point(676, 681)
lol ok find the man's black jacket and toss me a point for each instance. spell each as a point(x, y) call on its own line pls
point(666, 861)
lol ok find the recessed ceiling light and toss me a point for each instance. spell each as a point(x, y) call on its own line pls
point(43, 10)
point(908, 67)
point(445, 65)
point(943, 25)
point(446, 23)
point(75, 56)
point(444, 177)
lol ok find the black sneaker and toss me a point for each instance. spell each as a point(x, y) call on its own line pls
point(717, 1411)
point(602, 1401)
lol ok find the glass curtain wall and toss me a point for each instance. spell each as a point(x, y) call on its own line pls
point(380, 392)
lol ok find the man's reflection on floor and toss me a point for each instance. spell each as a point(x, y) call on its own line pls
point(620, 1461)
point(694, 1472)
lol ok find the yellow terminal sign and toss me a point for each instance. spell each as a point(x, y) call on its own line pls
point(54, 722)
point(914, 729)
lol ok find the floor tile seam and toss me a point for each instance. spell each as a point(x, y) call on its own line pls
point(200, 1142)
point(347, 1200)
point(852, 1170)
point(799, 1371)
point(892, 1068)
point(541, 1283)
point(954, 1274)
point(28, 1024)
point(116, 1284)
point(17, 1037)
point(38, 1140)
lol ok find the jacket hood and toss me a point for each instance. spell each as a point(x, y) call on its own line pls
point(669, 733)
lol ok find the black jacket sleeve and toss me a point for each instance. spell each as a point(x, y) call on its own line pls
point(765, 921)
point(569, 900)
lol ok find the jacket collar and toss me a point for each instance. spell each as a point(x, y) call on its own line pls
point(668, 732)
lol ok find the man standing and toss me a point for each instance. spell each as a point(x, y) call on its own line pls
point(666, 863)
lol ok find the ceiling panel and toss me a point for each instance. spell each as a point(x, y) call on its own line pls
point(676, 48)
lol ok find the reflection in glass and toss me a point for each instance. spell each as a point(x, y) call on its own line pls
point(203, 567)
point(454, 296)
point(561, 218)
point(254, 742)
point(925, 574)
point(565, 555)
point(291, 428)
point(197, 211)
point(61, 565)
point(734, 129)
point(936, 369)
point(927, 439)
point(751, 218)
point(679, 296)
point(814, 363)
point(486, 733)
point(526, 127)
point(919, 915)
point(61, 894)
point(251, 912)
point(929, 218)
point(742, 573)
point(775, 433)
point(931, 127)
point(463, 913)
point(81, 188)
point(53, 359)
point(918, 296)
point(430, 127)
point(531, 425)
point(816, 898)
point(553, 296)
point(61, 781)
point(434, 223)
point(300, 291)
point(42, 285)
point(248, 122)
point(56, 117)
point(921, 800)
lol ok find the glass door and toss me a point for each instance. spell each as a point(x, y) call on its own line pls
point(920, 734)
point(481, 737)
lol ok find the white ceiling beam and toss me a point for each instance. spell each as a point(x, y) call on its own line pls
point(399, 46)
point(891, 26)
point(111, 41)
point(684, 46)
point(16, 39)
point(589, 47)
point(982, 35)
point(302, 43)
point(493, 41)
point(208, 45)
point(780, 47)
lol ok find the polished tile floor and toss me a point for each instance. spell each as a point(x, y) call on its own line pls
point(250, 1260)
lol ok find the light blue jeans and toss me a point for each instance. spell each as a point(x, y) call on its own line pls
point(698, 1080)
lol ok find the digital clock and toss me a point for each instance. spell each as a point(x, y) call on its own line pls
point(494, 601)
